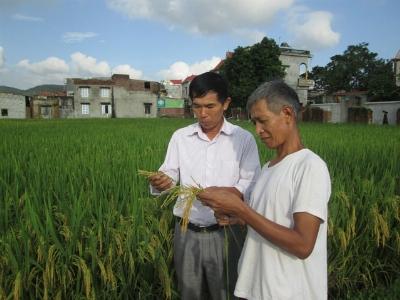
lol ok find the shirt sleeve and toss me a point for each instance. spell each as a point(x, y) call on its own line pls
point(249, 168)
point(313, 189)
point(170, 165)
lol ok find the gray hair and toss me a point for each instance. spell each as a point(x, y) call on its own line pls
point(276, 94)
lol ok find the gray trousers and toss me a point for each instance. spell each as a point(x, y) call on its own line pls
point(201, 265)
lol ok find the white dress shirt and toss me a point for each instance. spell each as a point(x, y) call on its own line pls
point(229, 160)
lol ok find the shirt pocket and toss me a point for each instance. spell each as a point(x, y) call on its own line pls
point(228, 173)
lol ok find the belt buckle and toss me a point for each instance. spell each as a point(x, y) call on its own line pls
point(203, 229)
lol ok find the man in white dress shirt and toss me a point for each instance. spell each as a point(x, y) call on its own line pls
point(285, 252)
point(212, 152)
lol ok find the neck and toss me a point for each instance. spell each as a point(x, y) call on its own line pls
point(211, 133)
point(293, 144)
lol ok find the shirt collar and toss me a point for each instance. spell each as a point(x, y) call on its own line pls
point(227, 128)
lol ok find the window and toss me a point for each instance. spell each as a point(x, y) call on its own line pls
point(147, 108)
point(147, 85)
point(45, 111)
point(105, 108)
point(84, 92)
point(4, 112)
point(105, 92)
point(85, 109)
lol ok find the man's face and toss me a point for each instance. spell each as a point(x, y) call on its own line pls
point(272, 128)
point(209, 111)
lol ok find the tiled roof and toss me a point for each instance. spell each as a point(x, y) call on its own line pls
point(176, 81)
point(189, 78)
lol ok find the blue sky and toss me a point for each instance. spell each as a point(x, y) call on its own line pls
point(46, 41)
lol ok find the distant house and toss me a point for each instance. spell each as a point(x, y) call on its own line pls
point(13, 106)
point(49, 105)
point(118, 96)
point(172, 88)
point(185, 87)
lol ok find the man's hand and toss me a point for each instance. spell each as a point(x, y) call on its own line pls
point(221, 201)
point(161, 181)
point(224, 220)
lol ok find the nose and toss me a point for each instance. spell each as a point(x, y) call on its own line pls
point(202, 112)
point(259, 128)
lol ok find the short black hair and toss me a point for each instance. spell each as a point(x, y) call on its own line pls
point(209, 82)
point(276, 94)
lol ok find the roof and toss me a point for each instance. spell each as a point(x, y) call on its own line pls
point(176, 81)
point(189, 78)
point(52, 93)
point(219, 65)
point(92, 81)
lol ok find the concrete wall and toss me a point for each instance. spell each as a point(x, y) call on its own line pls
point(131, 104)
point(337, 112)
point(392, 107)
point(14, 104)
point(292, 62)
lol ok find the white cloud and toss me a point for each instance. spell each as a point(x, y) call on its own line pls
point(2, 58)
point(312, 29)
point(53, 70)
point(87, 65)
point(51, 65)
point(127, 69)
point(21, 17)
point(180, 69)
point(204, 16)
point(74, 37)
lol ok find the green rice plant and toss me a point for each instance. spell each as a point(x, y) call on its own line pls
point(77, 220)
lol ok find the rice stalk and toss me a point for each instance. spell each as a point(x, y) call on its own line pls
point(186, 195)
point(148, 174)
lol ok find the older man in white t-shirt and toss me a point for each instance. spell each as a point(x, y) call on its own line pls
point(285, 252)
point(212, 152)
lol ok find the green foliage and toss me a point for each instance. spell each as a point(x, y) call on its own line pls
point(249, 67)
point(358, 69)
point(77, 221)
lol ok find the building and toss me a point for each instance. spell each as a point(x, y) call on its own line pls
point(50, 105)
point(172, 88)
point(13, 106)
point(296, 63)
point(396, 63)
point(185, 87)
point(171, 107)
point(118, 96)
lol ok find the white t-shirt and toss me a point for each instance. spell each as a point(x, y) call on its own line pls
point(229, 160)
point(298, 183)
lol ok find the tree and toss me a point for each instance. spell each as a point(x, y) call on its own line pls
point(357, 69)
point(248, 67)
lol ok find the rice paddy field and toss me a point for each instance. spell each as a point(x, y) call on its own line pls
point(77, 221)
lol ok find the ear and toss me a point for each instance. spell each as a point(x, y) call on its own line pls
point(226, 103)
point(288, 113)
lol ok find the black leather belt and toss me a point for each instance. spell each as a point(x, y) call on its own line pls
point(197, 228)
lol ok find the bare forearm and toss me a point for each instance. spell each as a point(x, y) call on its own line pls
point(286, 238)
